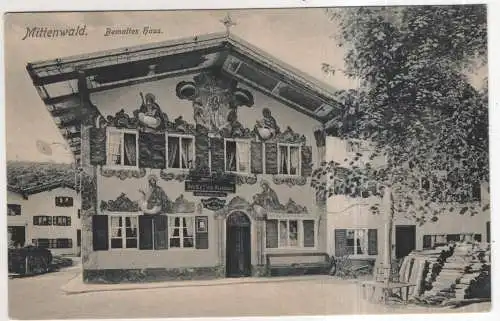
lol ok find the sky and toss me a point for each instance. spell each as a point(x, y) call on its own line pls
point(303, 38)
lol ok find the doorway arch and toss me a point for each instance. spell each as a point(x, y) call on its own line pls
point(238, 245)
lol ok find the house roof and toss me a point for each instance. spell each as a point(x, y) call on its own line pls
point(61, 81)
point(29, 178)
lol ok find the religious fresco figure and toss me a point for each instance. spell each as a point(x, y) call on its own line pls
point(268, 198)
point(155, 200)
point(267, 128)
point(150, 114)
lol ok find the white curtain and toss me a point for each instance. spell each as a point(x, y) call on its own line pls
point(362, 242)
point(187, 152)
point(173, 149)
point(283, 234)
point(114, 147)
point(283, 160)
point(242, 154)
point(188, 224)
point(294, 160)
point(171, 226)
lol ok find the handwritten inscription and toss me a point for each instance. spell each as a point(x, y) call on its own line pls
point(48, 32)
point(130, 31)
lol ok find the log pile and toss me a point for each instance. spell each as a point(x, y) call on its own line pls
point(463, 275)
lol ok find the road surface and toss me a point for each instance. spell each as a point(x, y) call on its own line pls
point(40, 297)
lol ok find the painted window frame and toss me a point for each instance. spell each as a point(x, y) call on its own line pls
point(122, 131)
point(181, 228)
point(123, 229)
point(58, 204)
point(66, 219)
point(168, 136)
point(238, 141)
point(299, 167)
point(37, 220)
point(355, 246)
point(300, 234)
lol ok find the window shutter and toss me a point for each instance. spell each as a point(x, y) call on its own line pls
point(307, 161)
point(257, 158)
point(372, 242)
point(202, 151)
point(145, 232)
point(217, 154)
point(201, 237)
point(161, 232)
point(271, 158)
point(271, 234)
point(308, 233)
point(340, 242)
point(427, 242)
point(100, 232)
point(152, 150)
point(97, 144)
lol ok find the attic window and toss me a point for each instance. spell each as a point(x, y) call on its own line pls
point(62, 88)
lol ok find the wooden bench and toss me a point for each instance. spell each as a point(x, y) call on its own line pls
point(297, 268)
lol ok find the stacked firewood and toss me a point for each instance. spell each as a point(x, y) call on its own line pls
point(464, 275)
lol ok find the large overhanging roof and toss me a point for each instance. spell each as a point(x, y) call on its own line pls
point(60, 85)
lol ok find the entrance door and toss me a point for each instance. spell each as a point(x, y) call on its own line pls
point(405, 240)
point(238, 259)
point(17, 235)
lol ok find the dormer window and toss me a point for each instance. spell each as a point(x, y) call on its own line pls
point(122, 148)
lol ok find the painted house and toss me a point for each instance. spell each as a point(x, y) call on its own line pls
point(198, 155)
point(43, 207)
point(352, 226)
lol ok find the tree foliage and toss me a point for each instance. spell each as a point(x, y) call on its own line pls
point(415, 105)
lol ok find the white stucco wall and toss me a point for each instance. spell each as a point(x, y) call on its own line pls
point(44, 204)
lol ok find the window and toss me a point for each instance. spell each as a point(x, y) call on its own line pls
point(290, 233)
point(78, 237)
point(42, 220)
point(64, 201)
point(357, 241)
point(353, 147)
point(180, 232)
point(79, 214)
point(288, 159)
point(13, 209)
point(180, 151)
point(61, 220)
point(431, 241)
point(237, 156)
point(53, 243)
point(123, 232)
point(122, 147)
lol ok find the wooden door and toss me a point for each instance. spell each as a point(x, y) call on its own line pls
point(238, 245)
point(405, 240)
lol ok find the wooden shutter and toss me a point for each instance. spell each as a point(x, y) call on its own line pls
point(202, 151)
point(372, 242)
point(152, 150)
point(97, 144)
point(145, 232)
point(161, 232)
point(256, 158)
point(100, 232)
point(217, 154)
point(427, 242)
point(307, 161)
point(271, 234)
point(340, 242)
point(308, 233)
point(271, 158)
point(201, 237)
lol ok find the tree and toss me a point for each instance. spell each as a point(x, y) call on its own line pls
point(415, 106)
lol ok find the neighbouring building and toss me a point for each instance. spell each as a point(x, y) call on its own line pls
point(352, 226)
point(43, 207)
point(198, 155)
